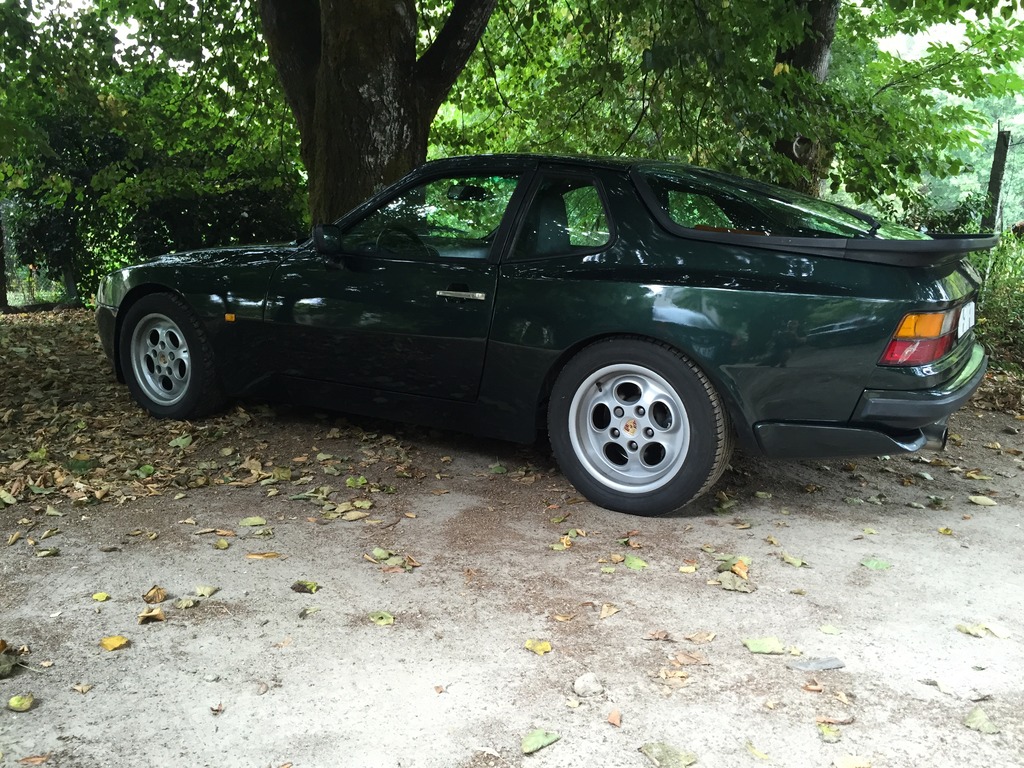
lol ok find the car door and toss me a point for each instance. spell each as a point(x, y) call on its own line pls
point(406, 307)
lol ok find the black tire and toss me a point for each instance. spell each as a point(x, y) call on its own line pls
point(167, 359)
point(637, 427)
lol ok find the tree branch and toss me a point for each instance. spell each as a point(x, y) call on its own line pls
point(440, 65)
point(292, 31)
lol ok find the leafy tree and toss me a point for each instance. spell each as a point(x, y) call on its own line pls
point(754, 88)
point(364, 80)
point(124, 148)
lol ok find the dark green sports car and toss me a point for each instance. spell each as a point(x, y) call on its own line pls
point(646, 314)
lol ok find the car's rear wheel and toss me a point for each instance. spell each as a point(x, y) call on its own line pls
point(637, 427)
point(167, 359)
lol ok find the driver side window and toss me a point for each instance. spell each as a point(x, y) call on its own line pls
point(446, 218)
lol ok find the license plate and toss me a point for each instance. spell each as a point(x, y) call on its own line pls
point(966, 319)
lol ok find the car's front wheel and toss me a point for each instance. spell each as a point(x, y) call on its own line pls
point(637, 427)
point(167, 360)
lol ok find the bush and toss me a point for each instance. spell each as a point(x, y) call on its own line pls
point(1001, 302)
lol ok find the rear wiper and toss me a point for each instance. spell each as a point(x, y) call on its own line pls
point(867, 218)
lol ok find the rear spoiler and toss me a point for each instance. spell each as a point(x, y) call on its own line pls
point(939, 251)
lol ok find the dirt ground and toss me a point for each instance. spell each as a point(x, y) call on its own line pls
point(475, 549)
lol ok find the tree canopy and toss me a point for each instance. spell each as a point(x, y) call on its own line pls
point(128, 128)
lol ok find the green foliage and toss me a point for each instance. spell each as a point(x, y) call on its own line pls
point(701, 82)
point(127, 144)
point(1001, 305)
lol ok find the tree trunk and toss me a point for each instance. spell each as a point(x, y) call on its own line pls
point(3, 268)
point(995, 182)
point(812, 54)
point(67, 273)
point(362, 100)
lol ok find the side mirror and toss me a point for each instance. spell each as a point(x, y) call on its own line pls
point(327, 239)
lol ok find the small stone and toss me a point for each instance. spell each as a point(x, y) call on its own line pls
point(212, 678)
point(587, 685)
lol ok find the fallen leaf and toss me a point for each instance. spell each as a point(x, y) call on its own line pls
point(252, 522)
point(206, 591)
point(564, 616)
point(82, 688)
point(733, 583)
point(634, 563)
point(875, 564)
point(794, 561)
point(982, 501)
point(615, 718)
point(666, 756)
point(156, 594)
point(221, 544)
point(661, 634)
point(687, 568)
point(829, 629)
point(263, 555)
point(946, 531)
point(540, 647)
point(100, 597)
point(309, 587)
point(538, 739)
point(114, 642)
point(151, 614)
point(608, 610)
point(35, 759)
point(764, 645)
point(977, 720)
point(184, 603)
point(382, 618)
point(701, 637)
point(756, 752)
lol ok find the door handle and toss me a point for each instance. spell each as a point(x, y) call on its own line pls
point(450, 293)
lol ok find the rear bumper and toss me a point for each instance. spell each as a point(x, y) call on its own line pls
point(883, 421)
point(912, 410)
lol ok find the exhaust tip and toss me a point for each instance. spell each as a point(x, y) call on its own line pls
point(936, 436)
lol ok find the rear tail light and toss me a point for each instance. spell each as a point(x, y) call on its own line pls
point(924, 337)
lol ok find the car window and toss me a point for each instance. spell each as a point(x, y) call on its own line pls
point(700, 199)
point(444, 218)
point(566, 215)
point(691, 209)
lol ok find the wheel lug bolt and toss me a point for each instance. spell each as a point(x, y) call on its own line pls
point(619, 412)
point(615, 433)
point(648, 432)
point(632, 445)
point(640, 410)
